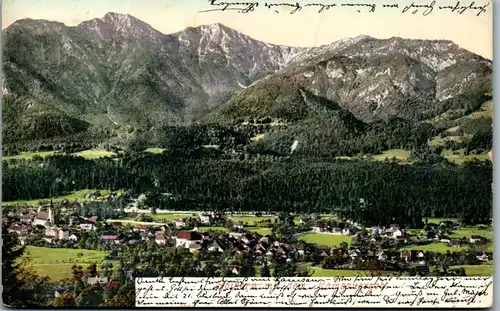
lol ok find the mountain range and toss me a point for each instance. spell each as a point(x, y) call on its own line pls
point(118, 76)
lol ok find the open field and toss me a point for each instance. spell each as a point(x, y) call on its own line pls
point(435, 247)
point(257, 137)
point(460, 158)
point(88, 154)
point(204, 229)
point(326, 239)
point(167, 217)
point(476, 270)
point(436, 141)
point(94, 154)
point(469, 231)
point(400, 154)
point(29, 155)
point(261, 230)
point(404, 155)
point(56, 263)
point(438, 220)
point(78, 195)
point(249, 220)
point(154, 150)
point(457, 234)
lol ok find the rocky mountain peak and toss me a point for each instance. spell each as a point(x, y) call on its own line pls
point(119, 26)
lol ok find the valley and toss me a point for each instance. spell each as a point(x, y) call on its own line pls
point(132, 153)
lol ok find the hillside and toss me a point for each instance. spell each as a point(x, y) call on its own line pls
point(118, 72)
point(373, 79)
point(119, 81)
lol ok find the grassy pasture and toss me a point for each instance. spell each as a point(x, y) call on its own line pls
point(78, 195)
point(94, 154)
point(257, 137)
point(249, 220)
point(56, 263)
point(261, 230)
point(326, 239)
point(154, 150)
point(476, 270)
point(29, 155)
point(400, 154)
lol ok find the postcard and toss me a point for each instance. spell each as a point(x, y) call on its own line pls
point(280, 154)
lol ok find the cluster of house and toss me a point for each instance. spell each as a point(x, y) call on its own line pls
point(351, 228)
point(241, 243)
point(30, 218)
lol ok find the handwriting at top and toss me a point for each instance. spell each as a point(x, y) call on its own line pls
point(416, 7)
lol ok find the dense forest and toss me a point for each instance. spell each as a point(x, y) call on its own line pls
point(390, 191)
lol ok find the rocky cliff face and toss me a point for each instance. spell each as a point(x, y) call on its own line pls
point(375, 79)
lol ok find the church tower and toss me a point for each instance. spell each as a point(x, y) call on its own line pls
point(51, 216)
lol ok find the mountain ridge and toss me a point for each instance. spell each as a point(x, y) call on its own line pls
point(122, 76)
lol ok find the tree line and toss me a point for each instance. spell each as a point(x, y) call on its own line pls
point(389, 191)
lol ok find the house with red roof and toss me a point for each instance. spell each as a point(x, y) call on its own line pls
point(187, 238)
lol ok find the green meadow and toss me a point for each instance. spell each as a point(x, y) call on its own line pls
point(325, 239)
point(29, 155)
point(95, 154)
point(72, 196)
point(56, 263)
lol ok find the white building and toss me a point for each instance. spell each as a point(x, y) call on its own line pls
point(347, 231)
point(52, 232)
point(63, 235)
point(398, 234)
point(160, 238)
point(87, 227)
point(206, 218)
point(188, 238)
point(44, 218)
point(179, 223)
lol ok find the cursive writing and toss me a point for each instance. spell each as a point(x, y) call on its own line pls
point(425, 8)
point(310, 292)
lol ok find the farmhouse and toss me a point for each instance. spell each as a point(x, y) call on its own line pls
point(63, 234)
point(405, 255)
point(19, 229)
point(27, 219)
point(187, 238)
point(44, 218)
point(179, 223)
point(52, 232)
point(476, 239)
point(419, 257)
point(160, 238)
point(239, 225)
point(347, 231)
point(398, 234)
point(87, 227)
point(206, 218)
point(140, 228)
point(110, 239)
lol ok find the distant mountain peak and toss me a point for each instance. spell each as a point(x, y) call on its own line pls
point(120, 24)
point(121, 21)
point(118, 18)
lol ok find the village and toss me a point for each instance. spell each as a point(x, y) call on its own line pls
point(319, 244)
